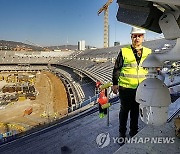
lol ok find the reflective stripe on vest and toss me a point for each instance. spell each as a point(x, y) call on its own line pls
point(130, 65)
point(131, 73)
point(132, 76)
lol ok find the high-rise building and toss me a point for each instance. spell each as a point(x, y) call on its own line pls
point(81, 45)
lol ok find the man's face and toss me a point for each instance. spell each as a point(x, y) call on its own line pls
point(137, 39)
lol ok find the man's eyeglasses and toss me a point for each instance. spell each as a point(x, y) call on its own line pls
point(137, 35)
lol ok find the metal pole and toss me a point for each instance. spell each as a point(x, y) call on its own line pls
point(107, 94)
point(89, 99)
point(108, 117)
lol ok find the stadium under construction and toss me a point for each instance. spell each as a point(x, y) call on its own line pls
point(75, 127)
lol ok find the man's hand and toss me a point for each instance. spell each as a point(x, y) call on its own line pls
point(115, 89)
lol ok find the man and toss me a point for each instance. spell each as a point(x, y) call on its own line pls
point(127, 74)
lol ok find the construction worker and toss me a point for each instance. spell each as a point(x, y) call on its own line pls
point(127, 74)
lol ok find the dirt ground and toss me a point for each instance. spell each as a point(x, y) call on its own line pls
point(51, 103)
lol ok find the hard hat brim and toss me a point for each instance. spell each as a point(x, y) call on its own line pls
point(136, 30)
point(138, 33)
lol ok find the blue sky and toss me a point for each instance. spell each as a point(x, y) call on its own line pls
point(53, 22)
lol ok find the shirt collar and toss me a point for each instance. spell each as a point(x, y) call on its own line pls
point(134, 50)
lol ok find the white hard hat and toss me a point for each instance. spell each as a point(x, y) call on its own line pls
point(136, 30)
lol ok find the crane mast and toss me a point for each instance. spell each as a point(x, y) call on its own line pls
point(105, 8)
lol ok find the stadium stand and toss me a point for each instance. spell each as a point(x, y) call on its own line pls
point(96, 64)
point(88, 62)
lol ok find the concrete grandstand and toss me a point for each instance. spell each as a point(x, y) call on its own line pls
point(79, 72)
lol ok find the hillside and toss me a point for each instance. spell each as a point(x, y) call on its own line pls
point(19, 46)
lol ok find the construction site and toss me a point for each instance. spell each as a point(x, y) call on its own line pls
point(30, 99)
point(59, 102)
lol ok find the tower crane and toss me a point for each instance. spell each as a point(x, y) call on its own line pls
point(106, 24)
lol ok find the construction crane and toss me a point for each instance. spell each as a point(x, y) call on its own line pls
point(106, 22)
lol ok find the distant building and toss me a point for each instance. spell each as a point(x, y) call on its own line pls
point(116, 43)
point(57, 50)
point(81, 45)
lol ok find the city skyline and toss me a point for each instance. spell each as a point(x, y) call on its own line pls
point(51, 23)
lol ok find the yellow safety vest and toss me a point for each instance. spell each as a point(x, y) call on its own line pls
point(131, 73)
